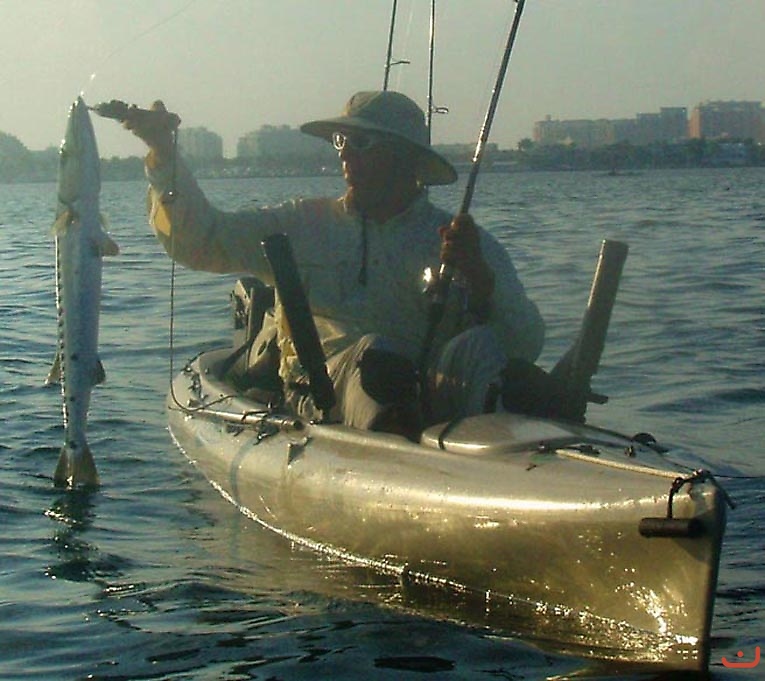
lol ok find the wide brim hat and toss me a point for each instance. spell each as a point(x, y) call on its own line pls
point(395, 115)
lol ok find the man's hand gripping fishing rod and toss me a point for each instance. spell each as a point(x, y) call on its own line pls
point(460, 248)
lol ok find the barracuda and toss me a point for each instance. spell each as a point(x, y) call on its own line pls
point(81, 244)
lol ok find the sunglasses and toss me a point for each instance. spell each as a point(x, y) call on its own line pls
point(355, 141)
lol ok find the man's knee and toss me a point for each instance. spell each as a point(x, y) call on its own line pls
point(387, 377)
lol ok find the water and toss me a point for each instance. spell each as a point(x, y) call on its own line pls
point(154, 576)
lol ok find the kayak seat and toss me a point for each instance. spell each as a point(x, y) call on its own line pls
point(253, 366)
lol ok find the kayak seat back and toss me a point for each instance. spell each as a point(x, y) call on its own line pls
point(250, 300)
point(254, 362)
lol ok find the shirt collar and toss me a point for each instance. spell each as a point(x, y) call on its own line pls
point(419, 207)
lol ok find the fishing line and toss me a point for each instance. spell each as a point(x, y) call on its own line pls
point(171, 330)
point(185, 408)
point(137, 37)
point(170, 198)
point(171, 348)
point(169, 201)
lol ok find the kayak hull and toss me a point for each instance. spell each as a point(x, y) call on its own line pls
point(523, 519)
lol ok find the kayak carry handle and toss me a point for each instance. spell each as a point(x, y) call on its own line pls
point(670, 526)
point(689, 528)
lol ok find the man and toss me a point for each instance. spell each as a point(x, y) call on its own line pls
point(361, 259)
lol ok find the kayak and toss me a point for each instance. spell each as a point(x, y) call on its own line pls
point(592, 538)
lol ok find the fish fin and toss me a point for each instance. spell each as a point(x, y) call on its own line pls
point(76, 467)
point(62, 221)
point(109, 246)
point(99, 374)
point(54, 375)
point(106, 245)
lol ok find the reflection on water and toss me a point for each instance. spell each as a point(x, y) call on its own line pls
point(73, 514)
point(555, 630)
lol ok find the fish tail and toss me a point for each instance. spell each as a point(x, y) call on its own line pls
point(76, 467)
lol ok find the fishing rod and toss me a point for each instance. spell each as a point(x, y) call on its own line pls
point(483, 137)
point(389, 58)
point(439, 288)
point(431, 51)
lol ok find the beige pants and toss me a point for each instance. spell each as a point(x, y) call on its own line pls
point(459, 380)
point(466, 370)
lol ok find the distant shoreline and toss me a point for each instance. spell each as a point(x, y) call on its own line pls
point(622, 159)
point(625, 172)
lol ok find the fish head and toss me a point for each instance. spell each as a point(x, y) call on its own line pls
point(79, 164)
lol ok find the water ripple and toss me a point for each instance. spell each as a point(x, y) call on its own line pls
point(154, 576)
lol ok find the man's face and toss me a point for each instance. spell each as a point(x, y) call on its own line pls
point(370, 171)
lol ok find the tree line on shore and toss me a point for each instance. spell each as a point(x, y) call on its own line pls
point(18, 164)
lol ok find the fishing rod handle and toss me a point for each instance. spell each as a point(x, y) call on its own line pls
point(446, 271)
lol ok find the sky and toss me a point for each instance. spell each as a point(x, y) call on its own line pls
point(235, 65)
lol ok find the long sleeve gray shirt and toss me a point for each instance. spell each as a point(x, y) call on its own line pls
point(360, 276)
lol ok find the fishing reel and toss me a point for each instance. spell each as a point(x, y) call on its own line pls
point(435, 284)
point(429, 280)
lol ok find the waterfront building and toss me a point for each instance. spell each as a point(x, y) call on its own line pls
point(581, 133)
point(670, 124)
point(728, 120)
point(282, 145)
point(199, 144)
